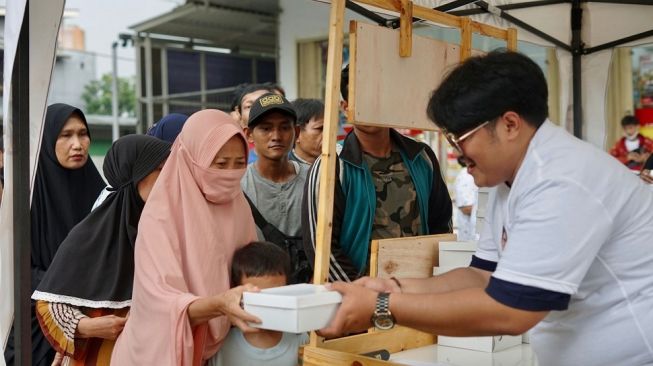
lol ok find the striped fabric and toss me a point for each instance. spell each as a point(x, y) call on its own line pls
point(59, 322)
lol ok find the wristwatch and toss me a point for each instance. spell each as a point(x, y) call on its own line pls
point(382, 317)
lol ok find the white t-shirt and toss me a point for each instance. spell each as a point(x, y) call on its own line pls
point(466, 195)
point(237, 351)
point(576, 222)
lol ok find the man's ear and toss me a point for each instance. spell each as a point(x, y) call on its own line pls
point(343, 106)
point(512, 125)
point(297, 132)
point(248, 133)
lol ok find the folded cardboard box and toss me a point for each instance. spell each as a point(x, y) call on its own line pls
point(484, 344)
point(294, 308)
point(455, 254)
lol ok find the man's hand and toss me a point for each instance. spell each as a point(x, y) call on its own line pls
point(379, 284)
point(645, 174)
point(355, 311)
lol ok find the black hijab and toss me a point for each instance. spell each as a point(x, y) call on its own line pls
point(100, 249)
point(62, 197)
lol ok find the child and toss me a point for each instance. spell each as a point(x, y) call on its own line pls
point(264, 265)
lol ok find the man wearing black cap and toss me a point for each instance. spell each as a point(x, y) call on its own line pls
point(273, 183)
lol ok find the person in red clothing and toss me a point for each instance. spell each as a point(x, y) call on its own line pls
point(633, 149)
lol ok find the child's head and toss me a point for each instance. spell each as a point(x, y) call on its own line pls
point(262, 264)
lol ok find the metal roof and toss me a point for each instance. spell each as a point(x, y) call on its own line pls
point(244, 25)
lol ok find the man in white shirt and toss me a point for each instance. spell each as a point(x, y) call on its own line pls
point(568, 245)
point(466, 203)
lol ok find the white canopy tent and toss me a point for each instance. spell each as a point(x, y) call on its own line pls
point(31, 28)
point(583, 32)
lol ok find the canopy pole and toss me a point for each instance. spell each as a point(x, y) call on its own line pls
point(577, 53)
point(20, 124)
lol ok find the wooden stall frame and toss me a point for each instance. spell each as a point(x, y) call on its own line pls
point(343, 351)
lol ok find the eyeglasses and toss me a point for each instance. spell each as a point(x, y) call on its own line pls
point(456, 141)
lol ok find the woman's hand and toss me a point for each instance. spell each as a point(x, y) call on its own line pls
point(230, 305)
point(58, 359)
point(107, 327)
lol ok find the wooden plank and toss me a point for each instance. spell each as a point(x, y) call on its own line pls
point(374, 258)
point(412, 257)
point(395, 340)
point(329, 138)
point(465, 39)
point(512, 39)
point(406, 28)
point(324, 357)
point(396, 90)
point(351, 103)
point(489, 31)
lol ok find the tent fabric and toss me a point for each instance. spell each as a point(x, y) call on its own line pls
point(45, 18)
point(555, 20)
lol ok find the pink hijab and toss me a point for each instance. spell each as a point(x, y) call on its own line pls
point(194, 220)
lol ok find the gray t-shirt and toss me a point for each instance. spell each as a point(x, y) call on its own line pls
point(237, 351)
point(279, 203)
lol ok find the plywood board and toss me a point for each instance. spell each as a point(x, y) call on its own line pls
point(412, 257)
point(389, 90)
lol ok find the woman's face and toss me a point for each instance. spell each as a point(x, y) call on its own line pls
point(232, 155)
point(146, 184)
point(72, 144)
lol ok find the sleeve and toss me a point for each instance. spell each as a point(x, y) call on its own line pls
point(440, 206)
point(340, 266)
point(619, 151)
point(487, 248)
point(465, 190)
point(557, 229)
point(59, 323)
point(649, 163)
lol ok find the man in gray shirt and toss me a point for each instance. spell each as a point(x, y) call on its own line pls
point(273, 183)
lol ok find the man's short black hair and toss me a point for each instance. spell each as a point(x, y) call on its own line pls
point(244, 89)
point(274, 87)
point(344, 83)
point(257, 259)
point(307, 109)
point(483, 88)
point(629, 121)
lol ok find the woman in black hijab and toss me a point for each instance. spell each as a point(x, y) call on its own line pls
point(66, 185)
point(82, 318)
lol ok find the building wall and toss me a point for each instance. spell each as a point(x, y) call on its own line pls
point(72, 71)
point(301, 20)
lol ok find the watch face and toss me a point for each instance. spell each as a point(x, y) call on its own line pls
point(384, 322)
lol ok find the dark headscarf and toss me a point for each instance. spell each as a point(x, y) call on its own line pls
point(100, 249)
point(62, 197)
point(168, 127)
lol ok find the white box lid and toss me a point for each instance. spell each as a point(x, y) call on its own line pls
point(458, 246)
point(293, 296)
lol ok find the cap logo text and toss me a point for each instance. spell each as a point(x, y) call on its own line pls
point(270, 99)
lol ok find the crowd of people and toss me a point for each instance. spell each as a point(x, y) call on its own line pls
point(190, 218)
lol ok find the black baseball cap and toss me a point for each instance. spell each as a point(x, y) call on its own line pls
point(267, 103)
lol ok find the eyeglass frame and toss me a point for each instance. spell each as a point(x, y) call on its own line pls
point(455, 141)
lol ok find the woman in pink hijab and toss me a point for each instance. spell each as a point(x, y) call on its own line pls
point(195, 218)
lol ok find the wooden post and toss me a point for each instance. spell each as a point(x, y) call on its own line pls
point(406, 28)
point(512, 39)
point(465, 38)
point(328, 167)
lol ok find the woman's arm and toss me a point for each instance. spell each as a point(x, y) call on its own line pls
point(227, 303)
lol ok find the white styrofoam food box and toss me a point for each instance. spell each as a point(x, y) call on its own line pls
point(485, 344)
point(456, 253)
point(294, 308)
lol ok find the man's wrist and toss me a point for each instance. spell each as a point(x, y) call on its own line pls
point(396, 281)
